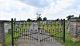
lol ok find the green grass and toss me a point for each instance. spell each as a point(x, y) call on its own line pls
point(7, 39)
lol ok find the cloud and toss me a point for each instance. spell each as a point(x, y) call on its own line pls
point(38, 3)
point(60, 9)
point(15, 9)
point(51, 9)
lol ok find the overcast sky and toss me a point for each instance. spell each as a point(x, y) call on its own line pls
point(52, 9)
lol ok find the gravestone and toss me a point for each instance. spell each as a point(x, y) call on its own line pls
point(2, 34)
point(74, 28)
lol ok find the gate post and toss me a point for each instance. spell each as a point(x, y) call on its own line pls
point(64, 30)
point(12, 32)
point(2, 34)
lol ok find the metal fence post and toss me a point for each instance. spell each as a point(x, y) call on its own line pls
point(12, 32)
point(64, 30)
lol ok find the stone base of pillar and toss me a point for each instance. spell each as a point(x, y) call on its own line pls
point(0, 44)
point(76, 39)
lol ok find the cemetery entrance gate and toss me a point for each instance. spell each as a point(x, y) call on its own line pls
point(37, 30)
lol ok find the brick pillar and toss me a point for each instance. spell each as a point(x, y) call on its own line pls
point(2, 34)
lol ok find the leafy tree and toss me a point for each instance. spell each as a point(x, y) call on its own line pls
point(39, 19)
point(70, 16)
point(44, 19)
point(57, 19)
point(33, 20)
point(28, 19)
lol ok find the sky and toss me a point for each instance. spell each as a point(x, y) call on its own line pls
point(24, 9)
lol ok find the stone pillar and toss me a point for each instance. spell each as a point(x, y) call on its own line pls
point(2, 34)
point(74, 28)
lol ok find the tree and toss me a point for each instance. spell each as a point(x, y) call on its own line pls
point(44, 19)
point(28, 19)
point(39, 19)
point(33, 20)
point(70, 16)
point(57, 19)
